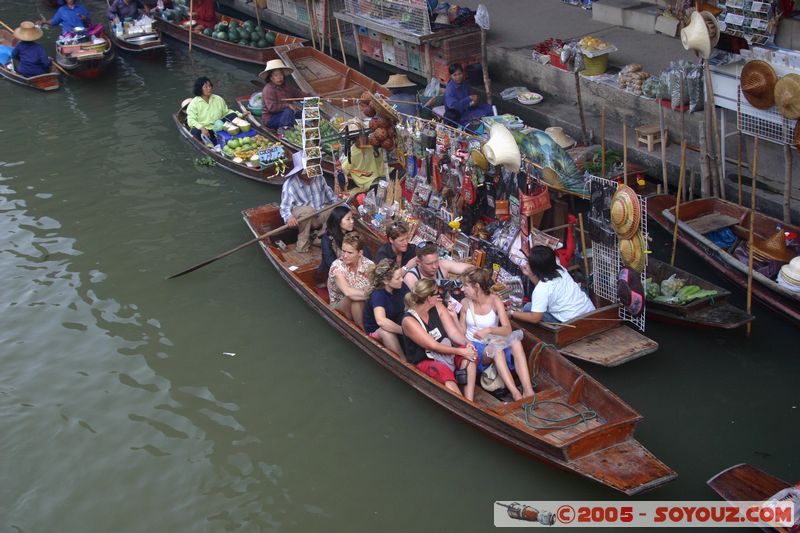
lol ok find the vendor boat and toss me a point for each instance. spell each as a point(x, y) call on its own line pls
point(86, 60)
point(602, 449)
point(711, 311)
point(265, 174)
point(747, 483)
point(44, 82)
point(143, 44)
point(698, 217)
point(231, 50)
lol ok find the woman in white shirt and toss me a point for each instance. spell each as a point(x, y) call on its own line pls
point(556, 297)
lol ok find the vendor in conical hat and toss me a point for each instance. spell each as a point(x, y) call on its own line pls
point(29, 57)
point(277, 111)
point(404, 95)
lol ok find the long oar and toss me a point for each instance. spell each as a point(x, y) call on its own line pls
point(253, 241)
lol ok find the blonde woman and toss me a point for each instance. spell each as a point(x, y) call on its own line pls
point(433, 341)
point(483, 314)
point(384, 310)
point(349, 279)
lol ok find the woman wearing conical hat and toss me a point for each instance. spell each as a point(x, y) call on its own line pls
point(277, 111)
point(29, 57)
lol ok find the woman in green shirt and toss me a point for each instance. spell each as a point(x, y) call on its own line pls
point(205, 109)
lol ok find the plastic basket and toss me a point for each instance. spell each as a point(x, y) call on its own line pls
point(594, 66)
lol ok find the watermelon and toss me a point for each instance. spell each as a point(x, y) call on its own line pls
point(219, 27)
point(233, 25)
point(208, 32)
point(244, 42)
point(261, 43)
point(270, 38)
point(222, 36)
point(248, 25)
point(233, 34)
point(255, 36)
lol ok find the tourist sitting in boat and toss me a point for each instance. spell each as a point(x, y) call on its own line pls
point(460, 106)
point(340, 222)
point(205, 109)
point(398, 249)
point(302, 196)
point(119, 10)
point(278, 110)
point(556, 297)
point(483, 314)
point(434, 343)
point(384, 310)
point(29, 57)
point(349, 279)
point(404, 97)
point(72, 16)
point(429, 266)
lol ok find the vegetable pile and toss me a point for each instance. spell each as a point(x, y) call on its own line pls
point(674, 290)
point(330, 137)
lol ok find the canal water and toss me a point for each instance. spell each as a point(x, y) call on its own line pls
point(219, 401)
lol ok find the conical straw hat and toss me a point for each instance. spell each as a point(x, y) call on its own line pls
point(28, 31)
point(758, 81)
point(787, 96)
point(774, 248)
point(397, 81)
point(632, 252)
point(273, 64)
point(502, 149)
point(626, 213)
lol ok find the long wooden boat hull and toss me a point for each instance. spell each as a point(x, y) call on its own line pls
point(89, 67)
point(744, 482)
point(144, 46)
point(603, 450)
point(266, 175)
point(661, 208)
point(248, 54)
point(43, 82)
point(709, 312)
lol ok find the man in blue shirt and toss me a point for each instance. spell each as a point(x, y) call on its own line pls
point(30, 59)
point(70, 16)
point(404, 97)
point(460, 106)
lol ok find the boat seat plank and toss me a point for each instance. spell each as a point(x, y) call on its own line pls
point(746, 483)
point(712, 222)
point(612, 347)
point(301, 261)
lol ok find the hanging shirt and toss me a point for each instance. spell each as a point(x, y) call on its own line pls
point(122, 10)
point(70, 18)
point(32, 59)
point(202, 114)
point(297, 193)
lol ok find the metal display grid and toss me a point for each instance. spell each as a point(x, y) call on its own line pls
point(310, 135)
point(410, 16)
point(766, 124)
point(606, 263)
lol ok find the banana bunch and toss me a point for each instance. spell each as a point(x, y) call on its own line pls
point(280, 167)
point(246, 154)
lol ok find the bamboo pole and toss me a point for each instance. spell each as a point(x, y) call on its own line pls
point(341, 42)
point(257, 4)
point(714, 130)
point(705, 182)
point(787, 183)
point(692, 180)
point(739, 169)
point(487, 82)
point(311, 24)
point(681, 177)
point(664, 177)
point(603, 142)
point(624, 153)
point(583, 248)
point(750, 235)
point(191, 18)
point(580, 107)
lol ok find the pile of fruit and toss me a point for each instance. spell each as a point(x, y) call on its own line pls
point(674, 290)
point(245, 149)
point(591, 44)
point(548, 45)
point(383, 132)
point(244, 34)
point(330, 136)
point(631, 78)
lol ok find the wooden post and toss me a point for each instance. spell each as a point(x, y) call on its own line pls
point(681, 177)
point(787, 183)
point(359, 56)
point(711, 103)
point(739, 169)
point(750, 236)
point(624, 153)
point(341, 42)
point(692, 180)
point(311, 24)
point(603, 141)
point(664, 177)
point(580, 107)
point(705, 182)
point(257, 4)
point(487, 82)
point(583, 248)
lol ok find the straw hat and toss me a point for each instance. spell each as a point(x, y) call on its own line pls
point(397, 81)
point(773, 248)
point(791, 272)
point(632, 252)
point(702, 33)
point(561, 138)
point(787, 96)
point(502, 149)
point(758, 81)
point(383, 108)
point(273, 64)
point(186, 102)
point(626, 213)
point(630, 291)
point(442, 18)
point(28, 31)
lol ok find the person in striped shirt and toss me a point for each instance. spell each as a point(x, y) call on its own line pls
point(302, 196)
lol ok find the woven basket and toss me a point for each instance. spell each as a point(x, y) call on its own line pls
point(594, 66)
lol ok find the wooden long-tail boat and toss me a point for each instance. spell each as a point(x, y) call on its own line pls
point(264, 174)
point(142, 44)
point(248, 54)
point(698, 217)
point(86, 60)
point(744, 482)
point(602, 449)
point(44, 82)
point(709, 312)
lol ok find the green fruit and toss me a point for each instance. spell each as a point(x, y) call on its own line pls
point(233, 35)
point(208, 32)
point(248, 25)
point(255, 36)
point(223, 36)
point(270, 38)
point(233, 24)
point(262, 43)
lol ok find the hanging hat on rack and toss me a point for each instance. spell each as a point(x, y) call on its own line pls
point(28, 31)
point(702, 33)
point(477, 158)
point(626, 213)
point(791, 272)
point(757, 81)
point(632, 252)
point(273, 64)
point(787, 96)
point(502, 149)
point(773, 248)
point(397, 81)
point(561, 138)
point(630, 291)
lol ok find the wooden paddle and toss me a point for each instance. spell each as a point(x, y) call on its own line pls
point(253, 241)
point(750, 236)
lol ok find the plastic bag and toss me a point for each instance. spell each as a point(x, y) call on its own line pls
point(653, 87)
point(676, 76)
point(432, 89)
point(482, 17)
point(498, 343)
point(695, 87)
point(671, 285)
point(255, 101)
point(651, 289)
point(511, 93)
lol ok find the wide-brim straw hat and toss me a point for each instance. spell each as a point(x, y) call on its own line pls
point(758, 80)
point(630, 291)
point(398, 81)
point(787, 96)
point(773, 248)
point(28, 31)
point(273, 64)
point(442, 18)
point(561, 138)
point(187, 101)
point(491, 380)
point(701, 34)
point(632, 252)
point(791, 272)
point(502, 149)
point(626, 212)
